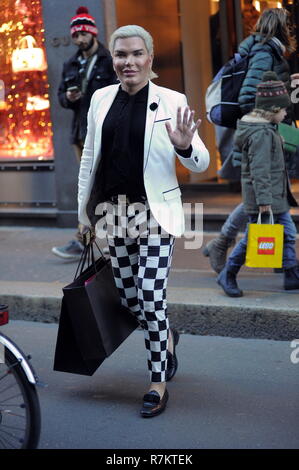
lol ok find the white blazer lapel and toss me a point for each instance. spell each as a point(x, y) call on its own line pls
point(153, 99)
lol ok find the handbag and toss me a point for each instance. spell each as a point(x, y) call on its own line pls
point(37, 103)
point(93, 323)
point(27, 57)
point(264, 244)
point(290, 137)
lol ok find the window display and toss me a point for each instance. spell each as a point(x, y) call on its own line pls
point(25, 123)
point(251, 10)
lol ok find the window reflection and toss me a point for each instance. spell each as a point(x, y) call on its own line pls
point(25, 124)
point(215, 36)
point(250, 15)
point(251, 10)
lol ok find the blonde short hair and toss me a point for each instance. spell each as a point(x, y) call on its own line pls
point(130, 31)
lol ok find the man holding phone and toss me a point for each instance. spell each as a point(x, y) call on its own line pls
point(85, 72)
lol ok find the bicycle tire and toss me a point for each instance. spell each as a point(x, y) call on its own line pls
point(29, 404)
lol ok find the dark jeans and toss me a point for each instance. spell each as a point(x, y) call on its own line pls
point(238, 255)
point(235, 222)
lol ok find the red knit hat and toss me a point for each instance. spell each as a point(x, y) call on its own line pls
point(82, 21)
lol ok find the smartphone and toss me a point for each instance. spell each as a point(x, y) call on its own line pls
point(73, 88)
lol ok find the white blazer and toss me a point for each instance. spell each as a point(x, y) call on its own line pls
point(160, 180)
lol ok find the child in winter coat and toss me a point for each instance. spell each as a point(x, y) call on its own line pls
point(265, 184)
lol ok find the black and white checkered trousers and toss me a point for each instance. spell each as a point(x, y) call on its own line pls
point(141, 266)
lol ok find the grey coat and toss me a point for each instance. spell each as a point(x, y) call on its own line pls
point(263, 173)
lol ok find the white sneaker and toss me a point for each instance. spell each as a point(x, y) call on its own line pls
point(72, 250)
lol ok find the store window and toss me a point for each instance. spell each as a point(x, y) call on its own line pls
point(215, 36)
point(25, 123)
point(250, 15)
point(251, 10)
point(154, 18)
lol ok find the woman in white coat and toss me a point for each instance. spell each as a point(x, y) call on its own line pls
point(135, 132)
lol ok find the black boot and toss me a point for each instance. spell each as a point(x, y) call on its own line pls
point(281, 270)
point(291, 278)
point(216, 249)
point(227, 280)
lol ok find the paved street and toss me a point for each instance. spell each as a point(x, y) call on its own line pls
point(228, 394)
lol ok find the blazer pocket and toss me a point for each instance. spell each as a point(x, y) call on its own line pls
point(172, 193)
point(163, 120)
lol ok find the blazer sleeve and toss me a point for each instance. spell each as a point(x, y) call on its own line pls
point(87, 160)
point(200, 158)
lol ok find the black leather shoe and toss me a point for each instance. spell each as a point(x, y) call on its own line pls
point(153, 404)
point(172, 362)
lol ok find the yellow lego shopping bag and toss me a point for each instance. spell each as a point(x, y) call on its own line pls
point(264, 245)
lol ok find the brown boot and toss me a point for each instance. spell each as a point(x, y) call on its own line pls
point(216, 250)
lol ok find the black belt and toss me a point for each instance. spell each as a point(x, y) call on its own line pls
point(128, 199)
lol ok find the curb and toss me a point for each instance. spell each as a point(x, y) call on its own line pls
point(235, 322)
point(198, 319)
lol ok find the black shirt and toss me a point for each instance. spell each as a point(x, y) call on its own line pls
point(120, 171)
point(123, 145)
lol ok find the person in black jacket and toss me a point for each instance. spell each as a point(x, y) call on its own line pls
point(269, 44)
point(88, 70)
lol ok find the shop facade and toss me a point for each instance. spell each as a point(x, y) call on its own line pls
point(38, 170)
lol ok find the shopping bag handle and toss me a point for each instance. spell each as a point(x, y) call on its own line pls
point(89, 257)
point(27, 42)
point(82, 262)
point(259, 219)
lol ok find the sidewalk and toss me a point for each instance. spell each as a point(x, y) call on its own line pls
point(31, 281)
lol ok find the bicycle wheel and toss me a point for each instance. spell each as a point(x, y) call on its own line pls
point(19, 407)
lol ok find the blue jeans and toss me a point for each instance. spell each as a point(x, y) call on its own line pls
point(235, 222)
point(238, 255)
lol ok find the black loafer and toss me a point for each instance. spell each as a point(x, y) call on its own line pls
point(172, 361)
point(153, 404)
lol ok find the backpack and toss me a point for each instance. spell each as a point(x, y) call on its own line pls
point(222, 95)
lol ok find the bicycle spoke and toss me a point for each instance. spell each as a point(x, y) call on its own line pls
point(8, 387)
point(19, 407)
point(9, 434)
point(10, 413)
point(10, 444)
point(7, 374)
point(4, 444)
point(7, 426)
point(12, 398)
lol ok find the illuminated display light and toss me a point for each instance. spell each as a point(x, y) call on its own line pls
point(25, 122)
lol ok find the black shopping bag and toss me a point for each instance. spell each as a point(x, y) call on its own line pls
point(93, 323)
